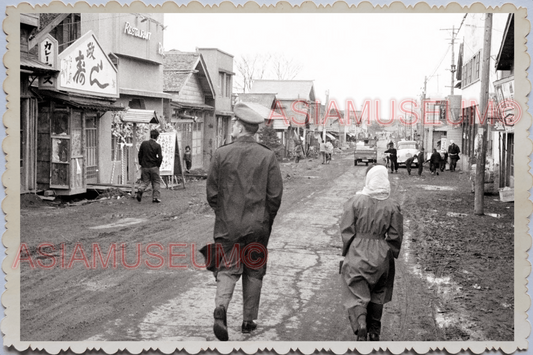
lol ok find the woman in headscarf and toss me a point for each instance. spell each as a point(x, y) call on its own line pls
point(372, 231)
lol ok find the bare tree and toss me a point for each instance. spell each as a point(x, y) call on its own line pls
point(251, 67)
point(285, 68)
point(264, 66)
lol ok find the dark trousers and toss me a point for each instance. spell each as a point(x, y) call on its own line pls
point(151, 175)
point(453, 163)
point(408, 166)
point(373, 318)
point(442, 165)
point(434, 166)
point(420, 168)
point(393, 163)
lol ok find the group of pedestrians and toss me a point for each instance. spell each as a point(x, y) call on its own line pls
point(437, 160)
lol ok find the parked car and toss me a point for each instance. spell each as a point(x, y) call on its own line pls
point(405, 150)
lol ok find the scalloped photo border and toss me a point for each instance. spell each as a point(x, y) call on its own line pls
point(10, 325)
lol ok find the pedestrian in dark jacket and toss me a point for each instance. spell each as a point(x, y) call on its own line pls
point(150, 159)
point(372, 231)
point(434, 162)
point(244, 188)
point(453, 153)
point(421, 159)
point(393, 156)
point(443, 159)
point(409, 163)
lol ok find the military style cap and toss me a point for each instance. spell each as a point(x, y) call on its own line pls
point(246, 114)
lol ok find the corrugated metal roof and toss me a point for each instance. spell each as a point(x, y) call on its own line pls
point(35, 65)
point(286, 89)
point(80, 102)
point(140, 116)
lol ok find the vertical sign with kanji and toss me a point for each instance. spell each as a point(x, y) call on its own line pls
point(48, 49)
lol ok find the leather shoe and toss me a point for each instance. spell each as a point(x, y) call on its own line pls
point(156, 200)
point(373, 337)
point(139, 196)
point(248, 327)
point(220, 327)
point(361, 328)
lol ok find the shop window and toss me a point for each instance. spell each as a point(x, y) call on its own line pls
point(137, 104)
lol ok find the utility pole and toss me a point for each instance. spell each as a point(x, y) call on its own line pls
point(453, 68)
point(422, 131)
point(482, 131)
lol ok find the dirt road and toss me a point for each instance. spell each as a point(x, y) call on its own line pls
point(156, 293)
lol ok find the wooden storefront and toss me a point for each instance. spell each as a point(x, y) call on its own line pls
point(67, 142)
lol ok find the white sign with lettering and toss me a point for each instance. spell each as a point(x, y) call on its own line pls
point(135, 32)
point(48, 49)
point(85, 68)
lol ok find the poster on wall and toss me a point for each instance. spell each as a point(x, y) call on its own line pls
point(85, 68)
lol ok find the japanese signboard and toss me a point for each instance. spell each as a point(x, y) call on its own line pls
point(506, 104)
point(85, 68)
point(48, 48)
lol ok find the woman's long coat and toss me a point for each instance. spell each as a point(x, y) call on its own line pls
point(372, 232)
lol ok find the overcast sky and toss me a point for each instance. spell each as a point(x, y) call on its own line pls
point(354, 56)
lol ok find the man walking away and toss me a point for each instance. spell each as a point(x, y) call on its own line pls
point(150, 159)
point(453, 153)
point(420, 158)
point(434, 162)
point(393, 156)
point(244, 187)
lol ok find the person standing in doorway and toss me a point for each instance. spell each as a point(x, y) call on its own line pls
point(421, 160)
point(244, 188)
point(372, 232)
point(393, 157)
point(150, 159)
point(187, 158)
point(453, 153)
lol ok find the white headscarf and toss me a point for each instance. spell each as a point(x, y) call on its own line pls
point(377, 183)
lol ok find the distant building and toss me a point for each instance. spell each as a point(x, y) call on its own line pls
point(192, 108)
point(295, 100)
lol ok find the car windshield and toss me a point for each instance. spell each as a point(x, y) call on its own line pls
point(407, 145)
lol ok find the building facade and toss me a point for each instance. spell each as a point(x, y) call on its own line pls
point(220, 68)
point(134, 42)
point(192, 105)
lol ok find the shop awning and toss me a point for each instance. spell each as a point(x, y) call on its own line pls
point(35, 65)
point(87, 103)
point(191, 106)
point(140, 116)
